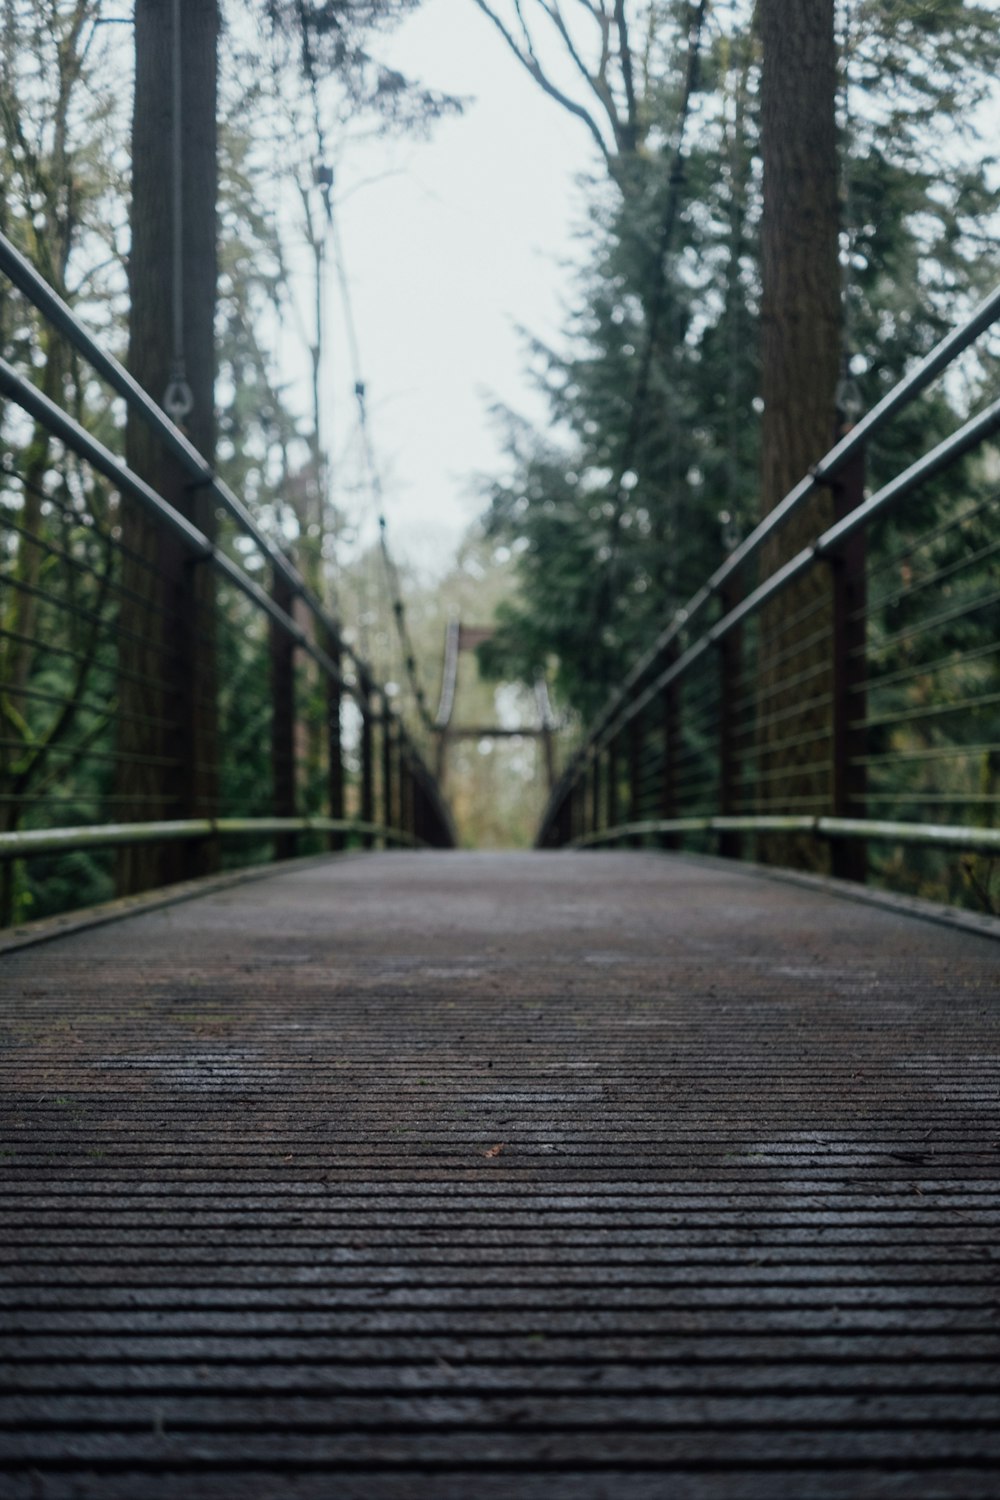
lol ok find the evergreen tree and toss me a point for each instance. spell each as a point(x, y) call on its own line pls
point(914, 234)
point(60, 205)
point(64, 200)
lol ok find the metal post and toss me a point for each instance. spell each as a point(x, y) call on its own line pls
point(387, 778)
point(367, 759)
point(441, 756)
point(595, 799)
point(564, 830)
point(849, 857)
point(411, 798)
point(548, 749)
point(398, 816)
point(403, 781)
point(671, 750)
point(730, 667)
point(635, 771)
point(335, 747)
point(419, 808)
point(283, 720)
point(190, 747)
point(436, 832)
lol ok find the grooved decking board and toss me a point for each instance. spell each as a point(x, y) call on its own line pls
point(740, 1239)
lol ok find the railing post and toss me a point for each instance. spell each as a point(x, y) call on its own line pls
point(671, 730)
point(419, 829)
point(283, 719)
point(398, 816)
point(367, 800)
point(402, 779)
point(849, 856)
point(564, 826)
point(635, 771)
point(595, 793)
point(395, 813)
point(548, 750)
point(730, 667)
point(335, 747)
point(441, 756)
point(387, 778)
point(613, 782)
point(436, 826)
point(406, 818)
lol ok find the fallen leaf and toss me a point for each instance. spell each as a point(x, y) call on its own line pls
point(494, 1150)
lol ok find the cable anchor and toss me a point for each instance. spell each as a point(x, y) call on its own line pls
point(177, 398)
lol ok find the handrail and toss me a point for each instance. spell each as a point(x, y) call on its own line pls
point(24, 276)
point(68, 431)
point(32, 285)
point(950, 836)
point(757, 762)
point(43, 410)
point(406, 789)
point(956, 446)
point(852, 443)
point(24, 844)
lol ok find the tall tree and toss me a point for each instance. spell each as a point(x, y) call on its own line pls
point(58, 191)
point(801, 352)
point(617, 531)
point(601, 574)
point(800, 224)
point(167, 682)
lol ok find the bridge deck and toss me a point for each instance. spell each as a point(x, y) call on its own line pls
point(470, 1175)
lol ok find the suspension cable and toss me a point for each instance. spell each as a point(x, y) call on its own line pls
point(675, 186)
point(374, 478)
point(449, 674)
point(177, 399)
point(847, 397)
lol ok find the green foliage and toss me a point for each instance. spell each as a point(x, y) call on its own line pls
point(620, 524)
point(339, 40)
point(64, 200)
point(654, 471)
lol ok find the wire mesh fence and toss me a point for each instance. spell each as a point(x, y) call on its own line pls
point(173, 699)
point(837, 710)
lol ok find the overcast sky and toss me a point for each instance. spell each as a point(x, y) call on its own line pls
point(466, 238)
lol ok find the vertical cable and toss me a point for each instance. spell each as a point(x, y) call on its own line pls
point(177, 399)
point(847, 397)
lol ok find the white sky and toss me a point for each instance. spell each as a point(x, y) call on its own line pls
point(467, 238)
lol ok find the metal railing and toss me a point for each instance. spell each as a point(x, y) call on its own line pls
point(173, 699)
point(839, 708)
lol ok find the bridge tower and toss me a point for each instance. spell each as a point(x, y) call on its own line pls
point(459, 638)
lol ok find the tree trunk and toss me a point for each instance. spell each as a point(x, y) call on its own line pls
point(167, 684)
point(800, 357)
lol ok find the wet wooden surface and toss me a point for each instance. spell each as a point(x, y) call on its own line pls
point(470, 1175)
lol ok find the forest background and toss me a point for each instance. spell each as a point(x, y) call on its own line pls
point(602, 521)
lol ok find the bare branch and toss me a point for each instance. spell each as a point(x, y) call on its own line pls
point(525, 32)
point(530, 63)
point(628, 78)
point(594, 81)
point(675, 186)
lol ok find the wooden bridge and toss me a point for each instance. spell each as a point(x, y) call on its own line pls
point(454, 1175)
